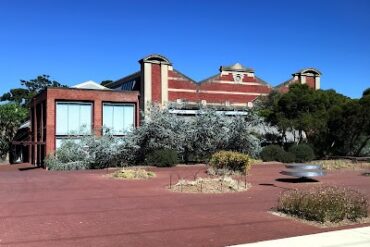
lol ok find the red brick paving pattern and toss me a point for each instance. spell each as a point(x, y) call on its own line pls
point(84, 208)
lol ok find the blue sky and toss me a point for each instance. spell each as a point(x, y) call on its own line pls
point(75, 41)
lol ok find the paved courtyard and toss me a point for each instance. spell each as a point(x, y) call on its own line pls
point(85, 208)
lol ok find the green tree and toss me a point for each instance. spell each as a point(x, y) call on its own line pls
point(23, 96)
point(11, 116)
point(308, 112)
point(349, 127)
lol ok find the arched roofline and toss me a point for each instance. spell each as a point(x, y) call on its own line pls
point(308, 70)
point(155, 58)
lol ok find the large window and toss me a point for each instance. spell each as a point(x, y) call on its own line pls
point(73, 119)
point(118, 119)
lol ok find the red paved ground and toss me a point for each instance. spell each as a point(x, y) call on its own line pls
point(43, 208)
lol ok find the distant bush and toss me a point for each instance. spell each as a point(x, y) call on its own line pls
point(276, 153)
point(287, 157)
point(324, 204)
point(231, 161)
point(162, 158)
point(302, 152)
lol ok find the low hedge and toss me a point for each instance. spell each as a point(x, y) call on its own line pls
point(324, 204)
point(276, 153)
point(230, 161)
point(302, 152)
point(162, 158)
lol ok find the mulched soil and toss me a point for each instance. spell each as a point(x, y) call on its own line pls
point(84, 208)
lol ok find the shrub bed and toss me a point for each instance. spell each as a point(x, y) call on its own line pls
point(229, 160)
point(162, 158)
point(324, 204)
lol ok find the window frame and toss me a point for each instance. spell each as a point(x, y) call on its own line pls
point(118, 104)
point(72, 136)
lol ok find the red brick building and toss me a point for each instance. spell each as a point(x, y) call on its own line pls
point(57, 114)
point(235, 86)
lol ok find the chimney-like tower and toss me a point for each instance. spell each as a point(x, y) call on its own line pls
point(309, 76)
point(154, 80)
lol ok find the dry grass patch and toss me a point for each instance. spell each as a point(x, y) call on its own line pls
point(132, 174)
point(255, 161)
point(210, 185)
point(342, 164)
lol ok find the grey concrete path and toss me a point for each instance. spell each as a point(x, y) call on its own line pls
point(358, 237)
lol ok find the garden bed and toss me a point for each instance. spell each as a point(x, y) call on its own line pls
point(210, 185)
point(324, 224)
point(132, 174)
point(326, 206)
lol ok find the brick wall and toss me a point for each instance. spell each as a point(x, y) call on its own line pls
point(156, 83)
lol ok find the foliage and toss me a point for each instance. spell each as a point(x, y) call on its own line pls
point(255, 161)
point(23, 96)
point(162, 158)
point(302, 152)
point(197, 137)
point(231, 161)
point(208, 132)
point(276, 153)
point(332, 123)
point(194, 138)
point(302, 109)
point(240, 136)
point(11, 117)
point(324, 204)
point(349, 127)
point(159, 130)
point(133, 174)
point(54, 164)
point(89, 152)
point(101, 151)
point(70, 156)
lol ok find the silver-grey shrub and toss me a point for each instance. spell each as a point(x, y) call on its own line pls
point(194, 138)
point(70, 156)
point(88, 152)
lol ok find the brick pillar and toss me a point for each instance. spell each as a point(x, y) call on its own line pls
point(50, 125)
point(97, 117)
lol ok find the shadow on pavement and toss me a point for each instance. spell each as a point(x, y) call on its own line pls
point(29, 168)
point(297, 180)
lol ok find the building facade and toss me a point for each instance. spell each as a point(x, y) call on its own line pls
point(58, 114)
point(233, 86)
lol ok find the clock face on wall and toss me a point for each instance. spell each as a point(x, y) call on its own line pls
point(238, 78)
